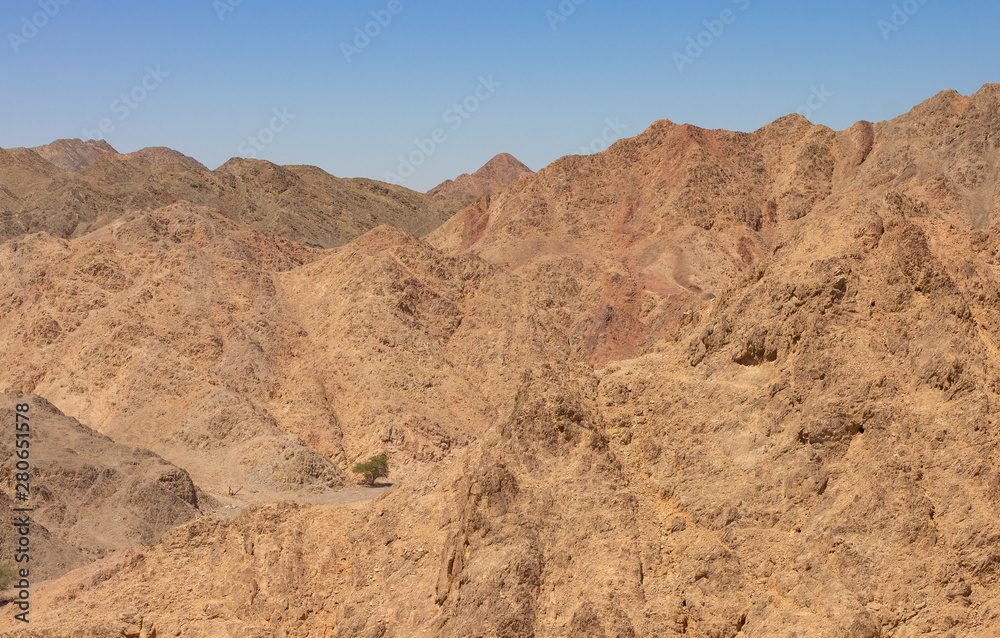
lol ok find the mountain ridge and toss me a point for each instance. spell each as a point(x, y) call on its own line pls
point(96, 185)
point(703, 383)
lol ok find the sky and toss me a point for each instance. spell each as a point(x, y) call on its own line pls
point(416, 92)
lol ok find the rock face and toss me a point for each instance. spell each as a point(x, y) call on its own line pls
point(789, 430)
point(496, 175)
point(70, 188)
point(91, 496)
point(275, 566)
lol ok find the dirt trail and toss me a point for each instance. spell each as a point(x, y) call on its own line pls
point(233, 506)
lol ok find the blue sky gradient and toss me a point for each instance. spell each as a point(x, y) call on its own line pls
point(561, 73)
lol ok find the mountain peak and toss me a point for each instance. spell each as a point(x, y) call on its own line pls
point(75, 154)
point(496, 175)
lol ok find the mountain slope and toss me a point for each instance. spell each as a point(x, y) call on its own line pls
point(70, 188)
point(166, 319)
point(496, 175)
point(256, 361)
point(90, 496)
point(653, 224)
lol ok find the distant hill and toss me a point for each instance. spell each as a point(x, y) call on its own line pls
point(496, 175)
point(70, 188)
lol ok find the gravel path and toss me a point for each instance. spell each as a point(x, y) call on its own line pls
point(232, 506)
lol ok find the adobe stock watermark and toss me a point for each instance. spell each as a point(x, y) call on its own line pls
point(372, 29)
point(818, 98)
point(32, 25)
point(562, 13)
point(714, 28)
point(611, 133)
point(455, 117)
point(901, 14)
point(128, 102)
point(256, 143)
point(224, 7)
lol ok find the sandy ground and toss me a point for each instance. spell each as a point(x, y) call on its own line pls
point(232, 506)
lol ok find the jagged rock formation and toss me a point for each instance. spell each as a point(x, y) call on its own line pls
point(736, 385)
point(496, 175)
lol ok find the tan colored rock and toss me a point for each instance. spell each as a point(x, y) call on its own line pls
point(496, 175)
point(245, 354)
point(705, 383)
point(70, 188)
point(89, 496)
point(135, 325)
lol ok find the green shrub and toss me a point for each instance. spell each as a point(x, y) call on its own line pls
point(8, 574)
point(373, 469)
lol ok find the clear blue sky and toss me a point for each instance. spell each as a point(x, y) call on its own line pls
point(560, 82)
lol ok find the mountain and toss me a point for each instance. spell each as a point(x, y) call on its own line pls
point(70, 188)
point(704, 383)
point(496, 175)
point(91, 496)
point(74, 155)
point(252, 360)
point(656, 222)
point(166, 319)
point(308, 205)
point(163, 156)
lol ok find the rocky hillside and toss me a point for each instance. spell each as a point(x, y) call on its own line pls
point(166, 319)
point(70, 188)
point(702, 384)
point(496, 175)
point(252, 360)
point(91, 496)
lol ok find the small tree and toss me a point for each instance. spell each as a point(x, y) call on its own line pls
point(373, 469)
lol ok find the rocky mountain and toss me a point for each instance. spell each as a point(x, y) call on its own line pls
point(164, 319)
point(496, 175)
point(658, 221)
point(255, 361)
point(701, 384)
point(74, 155)
point(70, 188)
point(91, 497)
